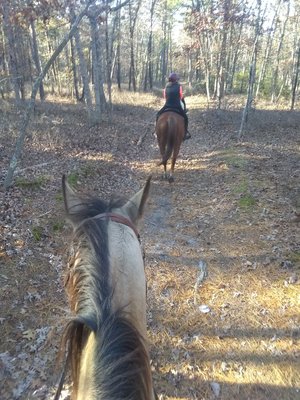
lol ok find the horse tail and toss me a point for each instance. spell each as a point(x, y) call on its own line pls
point(170, 140)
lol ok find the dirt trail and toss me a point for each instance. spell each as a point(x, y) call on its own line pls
point(233, 205)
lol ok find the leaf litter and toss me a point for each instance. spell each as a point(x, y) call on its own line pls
point(247, 345)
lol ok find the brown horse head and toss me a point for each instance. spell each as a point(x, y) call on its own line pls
point(170, 132)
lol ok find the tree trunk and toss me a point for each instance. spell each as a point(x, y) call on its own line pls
point(22, 133)
point(133, 13)
point(52, 71)
point(149, 61)
point(190, 70)
point(252, 70)
point(296, 78)
point(222, 73)
point(164, 45)
point(74, 71)
point(236, 50)
point(118, 54)
point(22, 65)
point(83, 70)
point(36, 57)
point(95, 68)
point(268, 48)
point(10, 50)
point(278, 56)
point(109, 58)
point(100, 52)
point(204, 48)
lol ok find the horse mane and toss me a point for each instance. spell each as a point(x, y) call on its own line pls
point(122, 362)
point(122, 359)
point(124, 366)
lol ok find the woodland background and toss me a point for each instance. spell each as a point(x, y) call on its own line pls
point(219, 48)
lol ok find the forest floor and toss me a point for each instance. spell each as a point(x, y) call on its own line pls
point(234, 206)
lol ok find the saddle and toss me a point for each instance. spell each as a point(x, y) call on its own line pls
point(173, 110)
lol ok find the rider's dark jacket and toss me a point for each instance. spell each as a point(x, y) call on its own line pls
point(173, 95)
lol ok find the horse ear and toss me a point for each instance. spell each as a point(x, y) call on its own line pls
point(73, 203)
point(134, 208)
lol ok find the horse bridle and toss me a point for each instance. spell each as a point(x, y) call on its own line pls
point(119, 219)
point(124, 221)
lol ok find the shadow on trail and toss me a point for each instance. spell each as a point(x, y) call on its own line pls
point(200, 389)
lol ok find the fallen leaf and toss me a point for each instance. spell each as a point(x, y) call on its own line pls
point(29, 334)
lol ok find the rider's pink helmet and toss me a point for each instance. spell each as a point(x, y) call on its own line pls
point(173, 77)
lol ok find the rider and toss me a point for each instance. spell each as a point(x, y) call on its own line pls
point(173, 94)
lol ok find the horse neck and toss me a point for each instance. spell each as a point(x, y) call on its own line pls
point(127, 275)
point(126, 288)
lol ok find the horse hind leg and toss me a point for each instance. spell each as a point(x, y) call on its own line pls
point(164, 163)
point(165, 175)
point(171, 178)
point(173, 160)
point(171, 174)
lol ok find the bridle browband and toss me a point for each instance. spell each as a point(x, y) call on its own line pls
point(120, 220)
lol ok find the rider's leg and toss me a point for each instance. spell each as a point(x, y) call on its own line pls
point(187, 135)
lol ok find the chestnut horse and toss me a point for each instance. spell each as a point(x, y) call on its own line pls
point(170, 133)
point(105, 339)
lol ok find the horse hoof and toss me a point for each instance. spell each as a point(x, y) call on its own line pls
point(171, 179)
